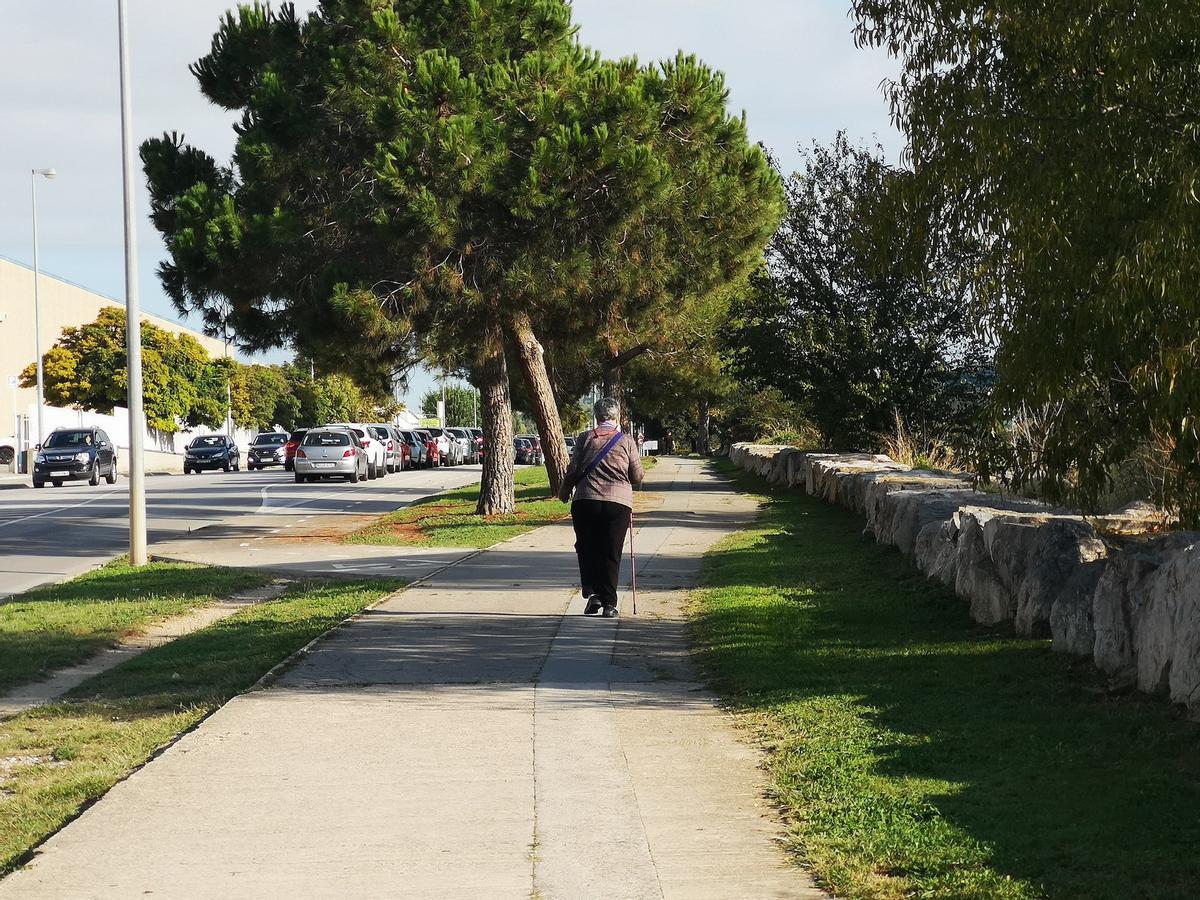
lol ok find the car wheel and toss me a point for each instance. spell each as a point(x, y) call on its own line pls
point(39, 484)
point(300, 479)
point(111, 477)
point(94, 478)
point(353, 476)
point(225, 468)
point(57, 483)
point(187, 471)
point(237, 467)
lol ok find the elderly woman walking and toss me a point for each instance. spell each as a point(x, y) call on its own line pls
point(604, 467)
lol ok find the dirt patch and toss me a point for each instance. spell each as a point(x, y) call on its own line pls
point(408, 532)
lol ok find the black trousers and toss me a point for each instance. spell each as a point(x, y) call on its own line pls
point(600, 529)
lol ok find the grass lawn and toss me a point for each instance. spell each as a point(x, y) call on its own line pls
point(916, 754)
point(56, 758)
point(449, 520)
point(61, 625)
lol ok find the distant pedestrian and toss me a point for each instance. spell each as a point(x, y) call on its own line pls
point(604, 467)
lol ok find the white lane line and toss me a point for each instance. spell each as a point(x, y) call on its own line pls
point(59, 509)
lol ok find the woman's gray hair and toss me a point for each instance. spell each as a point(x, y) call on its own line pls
point(606, 408)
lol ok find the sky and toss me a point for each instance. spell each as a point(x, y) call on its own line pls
point(791, 65)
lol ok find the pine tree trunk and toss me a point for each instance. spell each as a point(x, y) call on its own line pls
point(496, 489)
point(541, 395)
point(702, 423)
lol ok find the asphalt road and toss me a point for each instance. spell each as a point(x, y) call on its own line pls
point(55, 533)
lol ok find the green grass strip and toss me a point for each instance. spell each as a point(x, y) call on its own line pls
point(914, 753)
point(62, 625)
point(449, 519)
point(55, 759)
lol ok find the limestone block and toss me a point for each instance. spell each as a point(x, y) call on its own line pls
point(1146, 618)
point(877, 485)
point(936, 550)
point(903, 515)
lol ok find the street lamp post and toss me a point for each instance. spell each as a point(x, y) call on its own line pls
point(50, 175)
point(133, 318)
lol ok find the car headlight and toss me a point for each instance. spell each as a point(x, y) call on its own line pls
point(83, 456)
point(40, 459)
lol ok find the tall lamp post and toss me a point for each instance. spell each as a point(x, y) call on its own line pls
point(50, 175)
point(133, 317)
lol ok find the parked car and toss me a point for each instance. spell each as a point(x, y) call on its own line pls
point(211, 451)
point(524, 453)
point(293, 443)
point(466, 442)
point(418, 452)
point(433, 450)
point(536, 443)
point(403, 447)
point(267, 449)
point(448, 447)
point(570, 442)
point(75, 454)
point(376, 450)
point(393, 456)
point(331, 453)
point(477, 434)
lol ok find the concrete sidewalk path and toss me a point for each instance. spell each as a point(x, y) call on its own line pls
point(472, 737)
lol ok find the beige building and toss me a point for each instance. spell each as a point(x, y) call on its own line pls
point(62, 305)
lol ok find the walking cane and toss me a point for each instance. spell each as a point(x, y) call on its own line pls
point(633, 562)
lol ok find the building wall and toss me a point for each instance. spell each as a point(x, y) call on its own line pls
point(62, 305)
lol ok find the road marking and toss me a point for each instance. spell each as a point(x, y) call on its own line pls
point(51, 512)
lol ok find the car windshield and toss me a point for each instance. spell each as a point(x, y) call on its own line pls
point(270, 440)
point(209, 441)
point(521, 442)
point(380, 433)
point(327, 439)
point(70, 439)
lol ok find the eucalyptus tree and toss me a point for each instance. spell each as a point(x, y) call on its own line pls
point(1063, 135)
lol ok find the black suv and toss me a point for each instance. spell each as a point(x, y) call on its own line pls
point(211, 451)
point(75, 454)
point(268, 449)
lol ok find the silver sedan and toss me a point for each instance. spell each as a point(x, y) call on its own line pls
point(330, 453)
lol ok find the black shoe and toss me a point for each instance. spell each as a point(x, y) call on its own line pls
point(593, 606)
point(610, 612)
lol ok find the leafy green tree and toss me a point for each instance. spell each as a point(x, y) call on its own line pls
point(263, 398)
point(439, 177)
point(1064, 136)
point(87, 369)
point(461, 405)
point(860, 311)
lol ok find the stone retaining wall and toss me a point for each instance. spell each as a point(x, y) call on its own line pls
point(1091, 584)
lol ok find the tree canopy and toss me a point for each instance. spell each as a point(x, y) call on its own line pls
point(434, 178)
point(86, 368)
point(1063, 136)
point(861, 311)
point(184, 387)
point(461, 405)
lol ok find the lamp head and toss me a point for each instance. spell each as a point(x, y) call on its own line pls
point(49, 174)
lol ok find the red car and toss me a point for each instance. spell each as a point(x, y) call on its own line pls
point(435, 454)
point(289, 449)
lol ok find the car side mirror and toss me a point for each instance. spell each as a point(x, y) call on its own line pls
point(37, 446)
point(104, 443)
